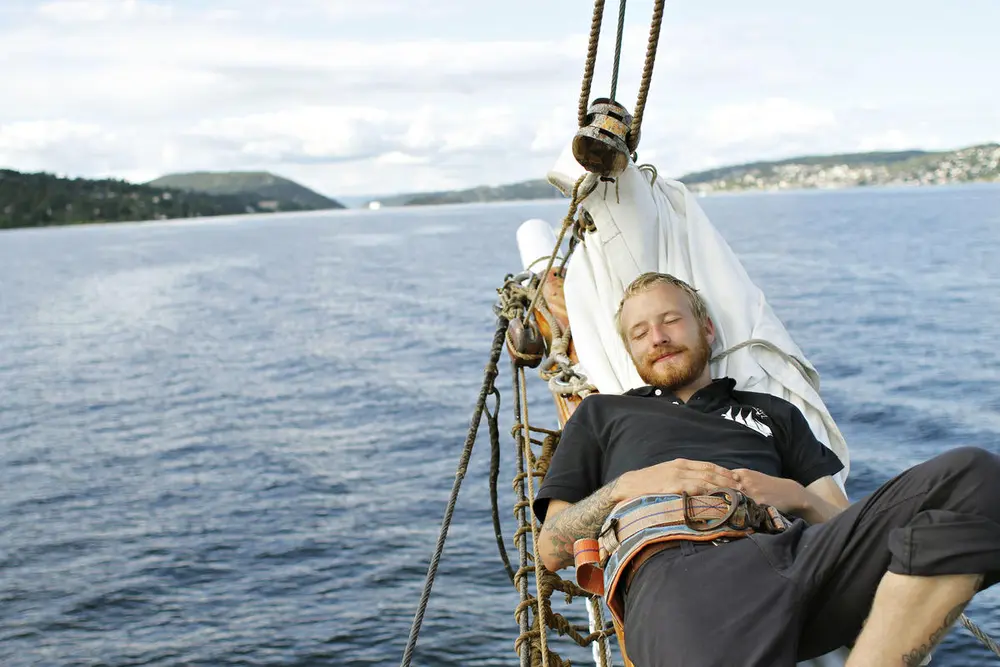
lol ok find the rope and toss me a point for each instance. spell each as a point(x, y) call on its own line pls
point(647, 71)
point(529, 643)
point(574, 204)
point(773, 348)
point(618, 48)
point(488, 389)
point(588, 68)
point(526, 443)
point(521, 581)
point(532, 644)
point(494, 428)
point(978, 633)
point(602, 650)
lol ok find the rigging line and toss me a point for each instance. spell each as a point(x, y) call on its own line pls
point(526, 443)
point(491, 422)
point(618, 49)
point(588, 69)
point(574, 204)
point(487, 389)
point(524, 648)
point(647, 72)
point(978, 633)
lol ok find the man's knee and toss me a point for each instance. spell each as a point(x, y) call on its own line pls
point(967, 479)
point(971, 462)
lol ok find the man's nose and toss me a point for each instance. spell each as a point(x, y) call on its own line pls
point(659, 335)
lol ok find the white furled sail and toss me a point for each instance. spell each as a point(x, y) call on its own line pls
point(646, 223)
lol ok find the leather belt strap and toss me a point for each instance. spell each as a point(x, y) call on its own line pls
point(700, 513)
point(641, 527)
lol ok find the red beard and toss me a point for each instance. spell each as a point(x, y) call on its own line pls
point(680, 370)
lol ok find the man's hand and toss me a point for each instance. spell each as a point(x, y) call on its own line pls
point(565, 523)
point(677, 476)
point(785, 495)
point(820, 501)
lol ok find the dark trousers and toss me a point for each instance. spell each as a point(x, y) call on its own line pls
point(772, 600)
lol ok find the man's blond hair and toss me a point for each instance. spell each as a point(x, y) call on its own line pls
point(651, 279)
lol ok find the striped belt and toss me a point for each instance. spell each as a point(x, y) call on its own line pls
point(639, 528)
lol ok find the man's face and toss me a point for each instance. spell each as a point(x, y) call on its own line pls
point(669, 346)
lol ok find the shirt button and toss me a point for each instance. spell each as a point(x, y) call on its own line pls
point(658, 392)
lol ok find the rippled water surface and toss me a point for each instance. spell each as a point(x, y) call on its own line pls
point(230, 442)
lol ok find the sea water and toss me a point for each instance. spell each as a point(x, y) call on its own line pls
point(230, 441)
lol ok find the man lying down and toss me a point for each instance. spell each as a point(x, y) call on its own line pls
point(679, 480)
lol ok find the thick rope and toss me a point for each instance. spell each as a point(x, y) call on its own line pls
point(526, 443)
point(574, 204)
point(488, 389)
point(520, 508)
point(618, 49)
point(528, 643)
point(979, 634)
point(588, 68)
point(787, 358)
point(532, 643)
point(647, 70)
point(494, 428)
point(601, 650)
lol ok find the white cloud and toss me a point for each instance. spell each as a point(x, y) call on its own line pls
point(763, 121)
point(31, 136)
point(74, 11)
point(399, 158)
point(332, 133)
point(380, 95)
point(895, 140)
point(554, 130)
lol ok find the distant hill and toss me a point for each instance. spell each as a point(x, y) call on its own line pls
point(271, 192)
point(536, 189)
point(966, 165)
point(976, 163)
point(42, 199)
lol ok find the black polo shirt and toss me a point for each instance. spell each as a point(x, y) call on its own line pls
point(609, 435)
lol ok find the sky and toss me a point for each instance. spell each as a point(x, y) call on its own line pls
point(367, 97)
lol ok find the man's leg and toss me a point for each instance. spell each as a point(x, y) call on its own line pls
point(910, 616)
point(941, 517)
point(700, 605)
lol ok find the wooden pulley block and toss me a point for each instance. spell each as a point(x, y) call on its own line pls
point(525, 343)
point(603, 145)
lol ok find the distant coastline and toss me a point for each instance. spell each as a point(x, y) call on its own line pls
point(41, 199)
point(898, 168)
point(45, 200)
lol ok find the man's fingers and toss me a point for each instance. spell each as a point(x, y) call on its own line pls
point(717, 469)
point(711, 479)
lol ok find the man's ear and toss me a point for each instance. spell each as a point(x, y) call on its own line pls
point(710, 331)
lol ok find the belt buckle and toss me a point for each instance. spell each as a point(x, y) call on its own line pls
point(608, 540)
point(610, 527)
point(734, 499)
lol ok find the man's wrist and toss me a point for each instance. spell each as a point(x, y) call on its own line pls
point(802, 499)
point(618, 488)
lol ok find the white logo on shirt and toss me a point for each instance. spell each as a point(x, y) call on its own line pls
point(749, 420)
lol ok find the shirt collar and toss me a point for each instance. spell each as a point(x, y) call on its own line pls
point(718, 388)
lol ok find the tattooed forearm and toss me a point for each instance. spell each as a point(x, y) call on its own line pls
point(580, 520)
point(918, 655)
